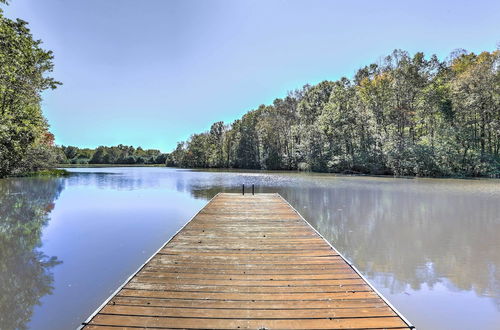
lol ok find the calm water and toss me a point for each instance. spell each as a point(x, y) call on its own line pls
point(432, 247)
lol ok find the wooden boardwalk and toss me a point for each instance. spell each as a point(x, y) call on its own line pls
point(246, 262)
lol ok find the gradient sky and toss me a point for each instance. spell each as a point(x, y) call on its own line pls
point(153, 72)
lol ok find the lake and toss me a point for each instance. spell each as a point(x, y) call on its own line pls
point(431, 246)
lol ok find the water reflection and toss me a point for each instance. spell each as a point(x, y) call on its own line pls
point(402, 233)
point(412, 238)
point(25, 271)
point(111, 180)
point(426, 244)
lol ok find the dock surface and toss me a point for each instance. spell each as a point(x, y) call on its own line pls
point(246, 262)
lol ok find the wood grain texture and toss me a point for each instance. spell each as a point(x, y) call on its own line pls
point(246, 262)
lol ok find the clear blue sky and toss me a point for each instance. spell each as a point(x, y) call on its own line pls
point(153, 72)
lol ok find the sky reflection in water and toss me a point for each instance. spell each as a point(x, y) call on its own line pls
point(430, 246)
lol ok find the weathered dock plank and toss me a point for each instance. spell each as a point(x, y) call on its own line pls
point(247, 262)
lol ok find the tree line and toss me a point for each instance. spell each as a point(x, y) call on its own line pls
point(26, 145)
point(404, 115)
point(119, 154)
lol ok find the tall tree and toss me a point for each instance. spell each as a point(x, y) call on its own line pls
point(24, 74)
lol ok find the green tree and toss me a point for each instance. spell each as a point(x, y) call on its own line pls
point(406, 115)
point(24, 69)
point(247, 149)
point(216, 145)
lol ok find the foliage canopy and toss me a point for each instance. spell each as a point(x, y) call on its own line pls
point(26, 145)
point(405, 115)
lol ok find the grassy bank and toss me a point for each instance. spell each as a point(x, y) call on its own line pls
point(45, 173)
point(108, 165)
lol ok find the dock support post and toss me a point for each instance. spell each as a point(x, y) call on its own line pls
point(253, 190)
point(243, 189)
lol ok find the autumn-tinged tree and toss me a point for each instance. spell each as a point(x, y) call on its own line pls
point(475, 93)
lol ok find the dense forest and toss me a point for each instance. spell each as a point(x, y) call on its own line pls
point(119, 154)
point(26, 145)
point(405, 115)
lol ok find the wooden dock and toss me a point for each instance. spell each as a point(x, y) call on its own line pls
point(246, 262)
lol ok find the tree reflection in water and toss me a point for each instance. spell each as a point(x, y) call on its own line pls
point(428, 238)
point(412, 238)
point(402, 233)
point(25, 271)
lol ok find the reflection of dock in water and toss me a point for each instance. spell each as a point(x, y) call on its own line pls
point(247, 262)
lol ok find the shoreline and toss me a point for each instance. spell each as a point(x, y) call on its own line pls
point(53, 172)
point(62, 166)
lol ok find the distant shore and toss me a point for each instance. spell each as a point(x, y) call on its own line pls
point(62, 166)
